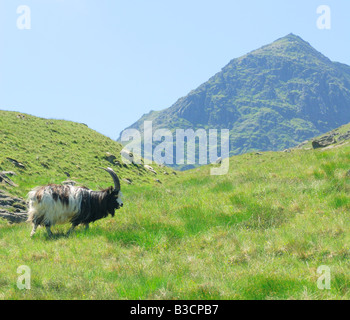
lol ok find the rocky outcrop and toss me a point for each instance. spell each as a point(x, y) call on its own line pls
point(149, 168)
point(4, 177)
point(16, 163)
point(13, 209)
point(127, 180)
point(69, 183)
point(323, 142)
point(110, 157)
point(345, 136)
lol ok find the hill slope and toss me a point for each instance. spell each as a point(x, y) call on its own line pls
point(333, 139)
point(271, 99)
point(259, 232)
point(52, 151)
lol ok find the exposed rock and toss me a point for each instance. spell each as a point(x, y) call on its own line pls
point(110, 157)
point(16, 163)
point(69, 183)
point(67, 174)
point(14, 217)
point(4, 178)
point(345, 136)
point(157, 180)
point(9, 173)
point(128, 181)
point(117, 163)
point(302, 144)
point(45, 165)
point(17, 205)
point(329, 147)
point(7, 200)
point(21, 116)
point(323, 142)
point(149, 168)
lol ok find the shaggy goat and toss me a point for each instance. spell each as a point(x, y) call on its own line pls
point(59, 204)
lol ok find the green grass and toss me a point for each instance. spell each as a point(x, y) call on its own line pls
point(259, 232)
point(49, 148)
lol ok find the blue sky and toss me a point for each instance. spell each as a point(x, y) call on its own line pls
point(107, 62)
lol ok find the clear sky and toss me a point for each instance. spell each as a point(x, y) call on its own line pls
point(107, 62)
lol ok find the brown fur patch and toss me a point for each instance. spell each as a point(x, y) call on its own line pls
point(108, 190)
point(58, 192)
point(39, 194)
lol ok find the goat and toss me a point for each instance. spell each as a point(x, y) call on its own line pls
point(59, 204)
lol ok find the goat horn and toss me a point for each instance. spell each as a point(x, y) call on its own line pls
point(115, 178)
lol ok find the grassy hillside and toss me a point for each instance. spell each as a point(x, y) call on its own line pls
point(51, 148)
point(339, 137)
point(259, 232)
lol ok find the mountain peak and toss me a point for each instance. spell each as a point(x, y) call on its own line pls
point(293, 47)
point(292, 39)
point(292, 36)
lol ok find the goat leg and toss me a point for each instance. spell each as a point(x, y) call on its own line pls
point(34, 229)
point(70, 230)
point(49, 233)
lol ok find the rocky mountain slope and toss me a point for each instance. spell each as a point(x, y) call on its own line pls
point(272, 98)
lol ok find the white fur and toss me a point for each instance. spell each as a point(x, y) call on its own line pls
point(54, 212)
point(119, 199)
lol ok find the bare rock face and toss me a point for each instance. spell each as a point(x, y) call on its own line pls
point(149, 168)
point(12, 209)
point(16, 163)
point(4, 177)
point(345, 136)
point(110, 157)
point(127, 180)
point(69, 183)
point(14, 217)
point(324, 142)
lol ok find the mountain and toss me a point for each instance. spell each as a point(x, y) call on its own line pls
point(272, 98)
